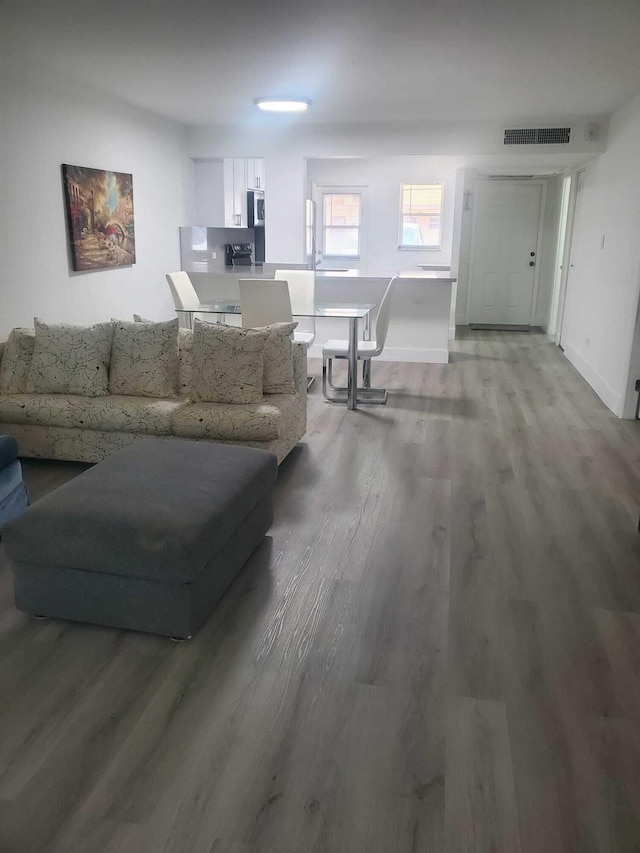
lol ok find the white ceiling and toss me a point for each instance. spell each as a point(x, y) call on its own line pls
point(203, 62)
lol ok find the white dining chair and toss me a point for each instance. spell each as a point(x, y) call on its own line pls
point(367, 350)
point(264, 301)
point(184, 295)
point(302, 285)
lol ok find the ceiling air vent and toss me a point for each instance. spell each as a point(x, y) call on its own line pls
point(537, 136)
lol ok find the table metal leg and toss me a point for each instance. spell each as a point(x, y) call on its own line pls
point(190, 320)
point(366, 373)
point(352, 373)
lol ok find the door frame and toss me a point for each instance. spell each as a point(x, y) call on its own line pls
point(571, 233)
point(474, 229)
point(556, 304)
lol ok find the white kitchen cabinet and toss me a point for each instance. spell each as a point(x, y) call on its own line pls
point(255, 173)
point(235, 193)
point(240, 191)
point(240, 175)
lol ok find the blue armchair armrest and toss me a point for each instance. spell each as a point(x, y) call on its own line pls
point(13, 493)
point(8, 450)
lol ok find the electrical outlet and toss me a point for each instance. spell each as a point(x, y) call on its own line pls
point(214, 255)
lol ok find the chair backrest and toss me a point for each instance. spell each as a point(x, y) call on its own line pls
point(384, 315)
point(264, 301)
point(183, 292)
point(302, 285)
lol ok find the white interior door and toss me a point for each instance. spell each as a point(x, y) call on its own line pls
point(575, 235)
point(504, 253)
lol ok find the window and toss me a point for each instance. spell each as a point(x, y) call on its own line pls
point(420, 216)
point(341, 224)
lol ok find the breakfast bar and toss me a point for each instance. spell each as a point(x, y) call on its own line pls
point(422, 313)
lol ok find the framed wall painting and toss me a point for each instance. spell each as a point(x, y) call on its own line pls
point(99, 206)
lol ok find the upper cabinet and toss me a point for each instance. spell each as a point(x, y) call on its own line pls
point(240, 175)
point(235, 193)
point(255, 173)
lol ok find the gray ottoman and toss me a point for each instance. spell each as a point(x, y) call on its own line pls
point(149, 539)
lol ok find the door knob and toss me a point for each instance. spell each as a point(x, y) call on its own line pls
point(532, 263)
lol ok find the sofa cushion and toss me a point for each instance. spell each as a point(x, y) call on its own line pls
point(144, 359)
point(16, 361)
point(251, 422)
point(71, 359)
point(112, 413)
point(228, 363)
point(278, 359)
point(185, 361)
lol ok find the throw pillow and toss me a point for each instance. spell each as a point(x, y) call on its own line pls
point(278, 361)
point(228, 363)
point(16, 361)
point(185, 344)
point(71, 359)
point(144, 359)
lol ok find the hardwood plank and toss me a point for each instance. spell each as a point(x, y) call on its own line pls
point(480, 796)
point(435, 649)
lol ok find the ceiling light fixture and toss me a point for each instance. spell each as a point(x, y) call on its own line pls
point(282, 105)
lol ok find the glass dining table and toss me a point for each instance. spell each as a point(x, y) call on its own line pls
point(350, 311)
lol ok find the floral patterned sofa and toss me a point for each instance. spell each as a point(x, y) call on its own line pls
point(82, 423)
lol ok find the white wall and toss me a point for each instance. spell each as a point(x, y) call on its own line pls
point(601, 308)
point(284, 209)
point(383, 176)
point(278, 135)
point(43, 127)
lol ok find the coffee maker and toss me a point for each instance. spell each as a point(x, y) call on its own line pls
point(238, 254)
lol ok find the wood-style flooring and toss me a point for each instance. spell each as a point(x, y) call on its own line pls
point(436, 649)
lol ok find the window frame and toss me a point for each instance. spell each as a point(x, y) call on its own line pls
point(360, 191)
point(422, 248)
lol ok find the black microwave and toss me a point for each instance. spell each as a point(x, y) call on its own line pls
point(255, 209)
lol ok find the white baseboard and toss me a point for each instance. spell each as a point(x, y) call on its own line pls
point(609, 397)
point(421, 356)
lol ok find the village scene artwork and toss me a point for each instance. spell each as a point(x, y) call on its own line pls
point(100, 215)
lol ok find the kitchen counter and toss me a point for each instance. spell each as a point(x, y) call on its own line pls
point(428, 275)
point(422, 309)
point(268, 270)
